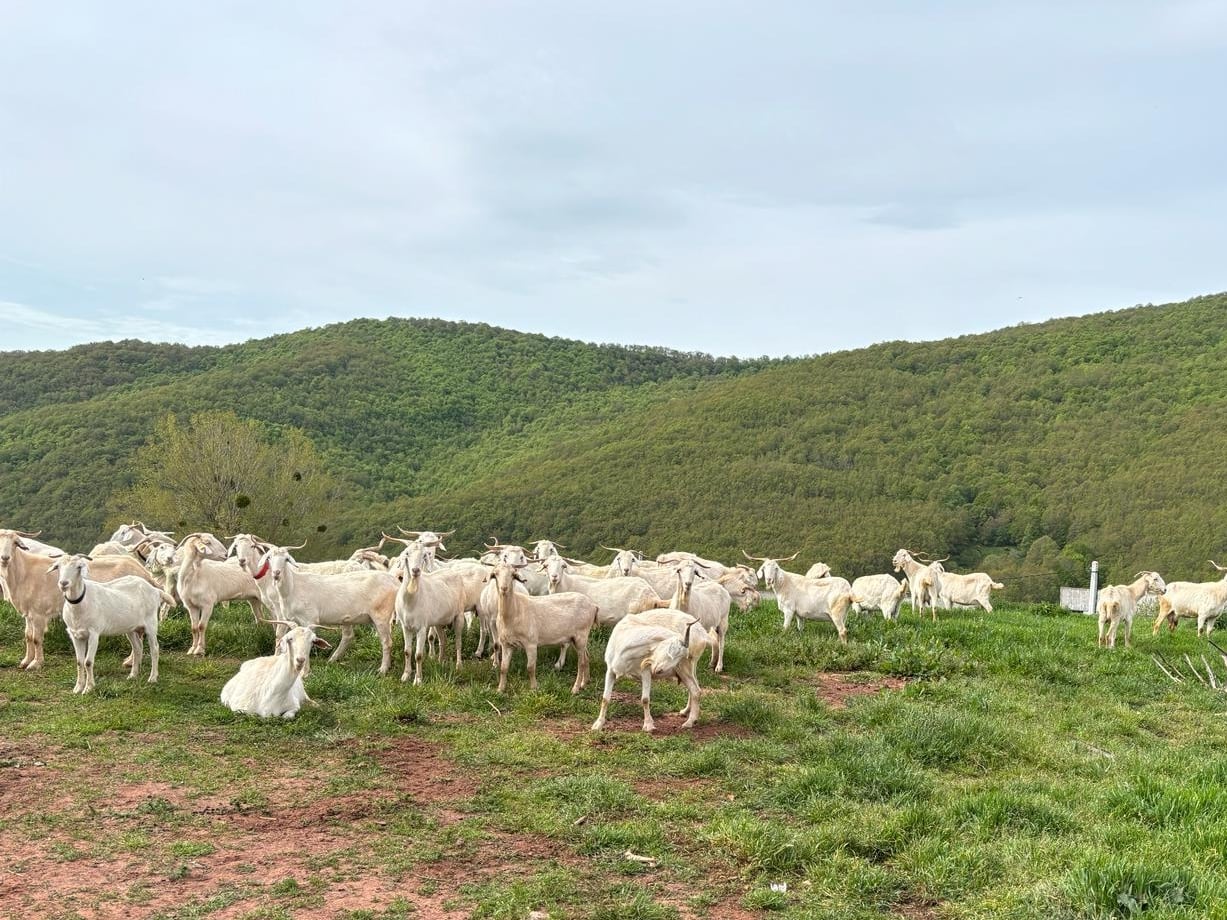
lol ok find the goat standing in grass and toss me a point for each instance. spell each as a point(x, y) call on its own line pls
point(640, 647)
point(126, 606)
point(1118, 603)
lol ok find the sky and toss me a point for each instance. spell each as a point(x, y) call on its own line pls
point(778, 178)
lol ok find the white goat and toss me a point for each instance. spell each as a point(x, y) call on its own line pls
point(705, 600)
point(884, 593)
point(974, 588)
point(879, 592)
point(111, 549)
point(742, 585)
point(346, 599)
point(137, 533)
point(527, 622)
point(162, 562)
point(923, 580)
point(425, 601)
point(818, 570)
point(272, 685)
point(642, 649)
point(1119, 602)
point(627, 562)
point(807, 598)
point(616, 597)
point(203, 581)
point(126, 606)
point(1202, 599)
point(33, 591)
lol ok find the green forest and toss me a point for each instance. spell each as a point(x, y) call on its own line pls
point(1025, 452)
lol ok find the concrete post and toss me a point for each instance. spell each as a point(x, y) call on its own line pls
point(1094, 587)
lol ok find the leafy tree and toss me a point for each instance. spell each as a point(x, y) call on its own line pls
point(222, 474)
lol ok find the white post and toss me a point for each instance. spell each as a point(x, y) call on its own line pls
point(1094, 586)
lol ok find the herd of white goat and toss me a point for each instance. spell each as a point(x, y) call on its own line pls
point(664, 613)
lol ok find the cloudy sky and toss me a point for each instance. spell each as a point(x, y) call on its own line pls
point(746, 178)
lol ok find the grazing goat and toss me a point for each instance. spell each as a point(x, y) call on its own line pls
point(33, 591)
point(1204, 600)
point(272, 685)
point(806, 598)
point(526, 622)
point(642, 649)
point(879, 592)
point(125, 606)
point(1119, 602)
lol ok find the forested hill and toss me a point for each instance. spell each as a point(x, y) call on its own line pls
point(384, 401)
point(1026, 451)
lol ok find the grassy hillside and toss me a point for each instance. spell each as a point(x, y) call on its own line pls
point(1027, 451)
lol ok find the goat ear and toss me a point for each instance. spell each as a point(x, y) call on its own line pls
point(22, 545)
point(319, 643)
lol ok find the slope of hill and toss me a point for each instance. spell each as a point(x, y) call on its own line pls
point(382, 400)
point(1028, 450)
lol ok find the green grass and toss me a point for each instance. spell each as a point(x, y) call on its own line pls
point(1022, 772)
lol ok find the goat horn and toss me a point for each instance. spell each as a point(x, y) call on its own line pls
point(612, 549)
point(412, 533)
point(299, 546)
point(754, 558)
point(395, 540)
point(1217, 566)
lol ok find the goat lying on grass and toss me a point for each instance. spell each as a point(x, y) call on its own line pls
point(272, 684)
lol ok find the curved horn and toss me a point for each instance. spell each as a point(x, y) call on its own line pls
point(755, 558)
point(411, 533)
point(299, 546)
point(1217, 566)
point(612, 549)
point(445, 533)
point(22, 533)
point(394, 540)
point(792, 557)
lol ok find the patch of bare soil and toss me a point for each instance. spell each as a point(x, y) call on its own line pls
point(118, 857)
point(917, 908)
point(836, 688)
